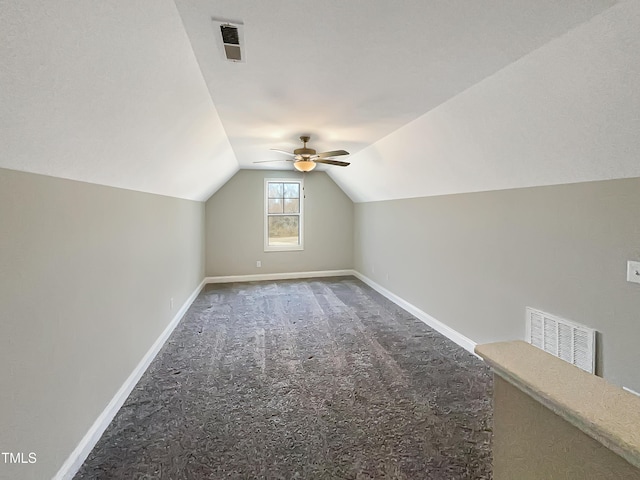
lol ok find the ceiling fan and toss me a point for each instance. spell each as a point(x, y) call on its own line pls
point(305, 159)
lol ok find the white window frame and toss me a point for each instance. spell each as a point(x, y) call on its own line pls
point(283, 248)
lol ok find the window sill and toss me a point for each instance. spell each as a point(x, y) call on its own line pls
point(297, 248)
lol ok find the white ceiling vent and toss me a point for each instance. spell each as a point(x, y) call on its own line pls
point(231, 36)
point(566, 340)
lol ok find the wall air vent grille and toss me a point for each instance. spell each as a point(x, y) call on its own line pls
point(567, 340)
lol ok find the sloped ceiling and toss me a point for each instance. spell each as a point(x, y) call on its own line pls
point(108, 92)
point(568, 112)
point(430, 97)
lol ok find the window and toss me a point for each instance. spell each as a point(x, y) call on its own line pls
point(283, 215)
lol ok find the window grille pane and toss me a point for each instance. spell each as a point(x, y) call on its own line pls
point(275, 190)
point(275, 205)
point(284, 230)
point(291, 205)
point(291, 190)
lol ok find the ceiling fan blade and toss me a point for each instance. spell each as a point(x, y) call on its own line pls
point(333, 153)
point(269, 161)
point(283, 151)
point(333, 162)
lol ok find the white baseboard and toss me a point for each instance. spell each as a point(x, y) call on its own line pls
point(278, 276)
point(437, 325)
point(631, 391)
point(73, 463)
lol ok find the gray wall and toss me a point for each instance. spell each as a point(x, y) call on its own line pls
point(235, 227)
point(86, 277)
point(474, 261)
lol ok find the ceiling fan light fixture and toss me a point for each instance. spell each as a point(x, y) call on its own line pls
point(305, 159)
point(304, 165)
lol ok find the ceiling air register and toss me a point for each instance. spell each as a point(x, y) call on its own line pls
point(232, 36)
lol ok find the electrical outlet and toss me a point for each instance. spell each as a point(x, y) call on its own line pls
point(259, 264)
point(171, 303)
point(633, 271)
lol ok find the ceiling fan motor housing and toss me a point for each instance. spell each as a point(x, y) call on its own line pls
point(304, 152)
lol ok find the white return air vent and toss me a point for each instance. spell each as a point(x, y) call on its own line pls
point(231, 36)
point(566, 340)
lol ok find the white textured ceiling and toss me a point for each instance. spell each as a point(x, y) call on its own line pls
point(431, 97)
point(567, 112)
point(351, 72)
point(108, 92)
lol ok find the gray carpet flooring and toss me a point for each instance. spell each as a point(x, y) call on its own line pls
point(304, 379)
